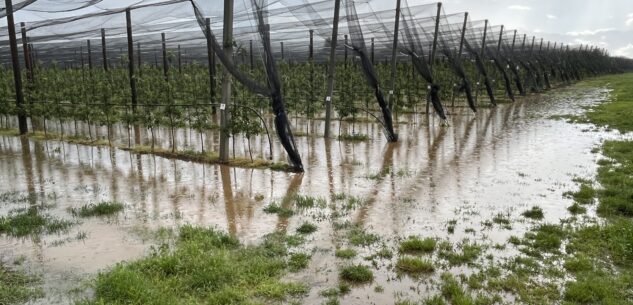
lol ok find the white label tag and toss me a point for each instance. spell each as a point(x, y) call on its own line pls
point(477, 83)
point(328, 98)
point(222, 106)
point(390, 92)
point(508, 67)
point(428, 87)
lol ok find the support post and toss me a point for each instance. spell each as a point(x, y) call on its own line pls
point(311, 50)
point(27, 57)
point(104, 53)
point(211, 63)
point(179, 60)
point(226, 82)
point(435, 35)
point(461, 41)
point(483, 41)
point(130, 57)
point(345, 48)
point(15, 61)
point(250, 53)
point(514, 39)
point(282, 50)
point(89, 57)
point(394, 54)
point(372, 50)
point(500, 39)
point(331, 67)
point(165, 61)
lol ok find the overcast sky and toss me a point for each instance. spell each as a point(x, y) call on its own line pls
point(604, 23)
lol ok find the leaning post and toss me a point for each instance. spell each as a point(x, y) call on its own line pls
point(394, 54)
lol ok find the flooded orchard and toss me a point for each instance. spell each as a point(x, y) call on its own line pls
point(457, 193)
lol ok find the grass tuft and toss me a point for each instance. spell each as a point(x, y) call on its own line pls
point(534, 213)
point(356, 274)
point(104, 208)
point(414, 244)
point(414, 265)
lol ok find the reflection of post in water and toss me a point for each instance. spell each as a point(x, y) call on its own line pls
point(328, 164)
point(286, 202)
point(137, 134)
point(387, 163)
point(229, 203)
point(27, 162)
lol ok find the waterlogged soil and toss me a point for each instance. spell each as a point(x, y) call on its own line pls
point(443, 182)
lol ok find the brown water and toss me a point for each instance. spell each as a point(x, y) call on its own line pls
point(502, 160)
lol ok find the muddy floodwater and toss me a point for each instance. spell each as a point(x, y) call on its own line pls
point(498, 161)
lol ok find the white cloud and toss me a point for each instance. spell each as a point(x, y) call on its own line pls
point(629, 20)
point(590, 32)
point(626, 51)
point(551, 17)
point(519, 8)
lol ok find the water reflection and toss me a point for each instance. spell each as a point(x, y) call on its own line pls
point(468, 170)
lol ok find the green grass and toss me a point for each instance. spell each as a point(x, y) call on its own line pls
point(466, 253)
point(203, 267)
point(585, 195)
point(576, 209)
point(356, 137)
point(31, 222)
point(534, 213)
point(356, 274)
point(345, 253)
point(104, 208)
point(306, 202)
point(306, 228)
point(414, 265)
point(17, 287)
point(617, 112)
point(298, 261)
point(416, 245)
point(275, 208)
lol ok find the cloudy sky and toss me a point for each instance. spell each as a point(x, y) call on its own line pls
point(604, 23)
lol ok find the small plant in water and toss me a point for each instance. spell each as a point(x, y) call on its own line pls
point(345, 253)
point(414, 244)
point(414, 265)
point(306, 228)
point(100, 209)
point(356, 274)
point(534, 213)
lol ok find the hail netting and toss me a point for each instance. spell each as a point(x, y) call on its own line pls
point(47, 6)
point(273, 87)
point(415, 26)
point(357, 44)
point(449, 42)
point(493, 51)
point(474, 43)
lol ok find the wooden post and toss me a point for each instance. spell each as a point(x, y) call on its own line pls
point(179, 60)
point(372, 50)
point(435, 35)
point(331, 67)
point(138, 56)
point(250, 53)
point(165, 61)
point(461, 41)
point(15, 61)
point(311, 48)
point(225, 111)
point(514, 39)
point(500, 39)
point(433, 49)
point(483, 41)
point(211, 63)
point(282, 50)
point(130, 57)
point(89, 57)
point(345, 51)
point(103, 50)
point(394, 54)
point(27, 57)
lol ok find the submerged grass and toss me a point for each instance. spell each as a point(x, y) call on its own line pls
point(414, 265)
point(31, 222)
point(204, 267)
point(356, 274)
point(17, 287)
point(104, 208)
point(416, 245)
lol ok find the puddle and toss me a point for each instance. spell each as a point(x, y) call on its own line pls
point(500, 161)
